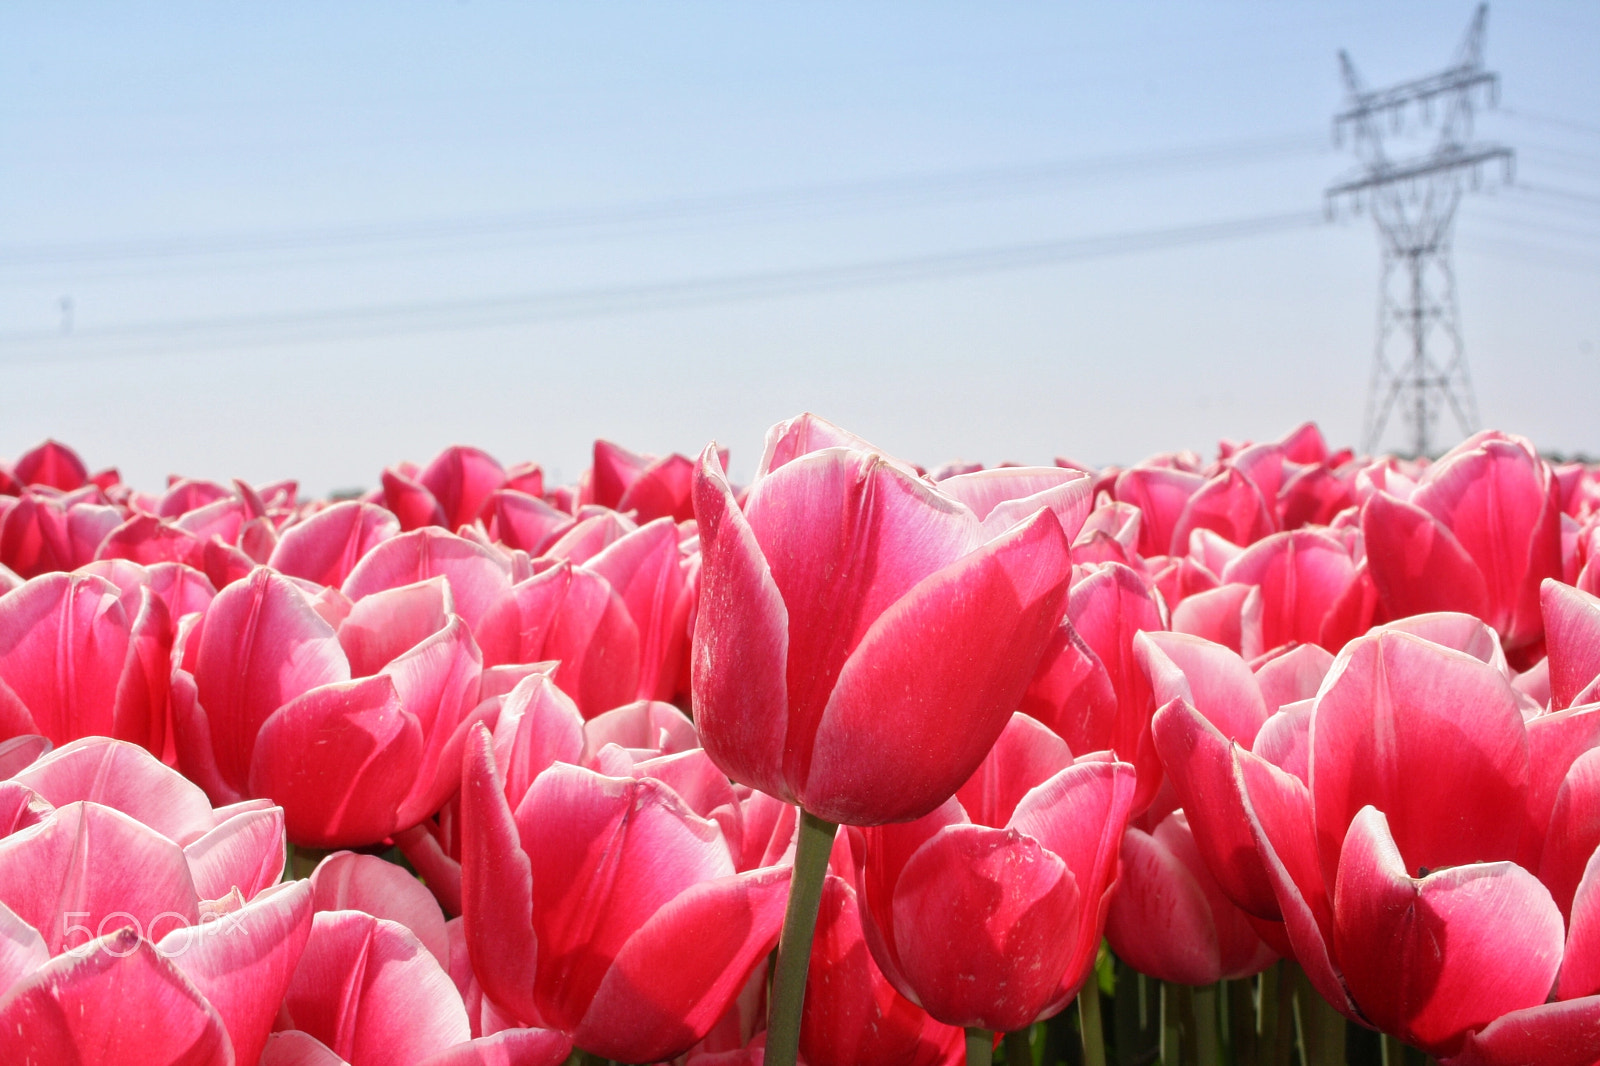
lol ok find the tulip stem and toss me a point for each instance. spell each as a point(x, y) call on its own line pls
point(1094, 1036)
point(1019, 1047)
point(980, 1046)
point(812, 849)
point(1394, 1052)
point(1204, 1008)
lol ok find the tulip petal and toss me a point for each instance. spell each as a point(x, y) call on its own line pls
point(509, 1047)
point(340, 760)
point(1301, 574)
point(245, 851)
point(1008, 910)
point(1079, 815)
point(1574, 830)
point(1208, 677)
point(961, 647)
point(113, 1002)
point(678, 973)
point(1108, 607)
point(294, 1048)
point(1416, 729)
point(478, 577)
point(1026, 754)
point(496, 885)
point(327, 546)
point(242, 961)
point(117, 774)
point(1502, 505)
point(22, 949)
point(1551, 1034)
point(261, 646)
point(1071, 693)
point(1159, 922)
point(1572, 635)
point(386, 624)
point(63, 645)
point(372, 993)
point(612, 853)
point(88, 870)
point(1416, 563)
point(1199, 763)
point(1295, 675)
point(1435, 958)
point(741, 643)
point(345, 881)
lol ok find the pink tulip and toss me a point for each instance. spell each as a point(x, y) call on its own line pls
point(1423, 805)
point(649, 486)
point(988, 911)
point(1478, 535)
point(53, 465)
point(451, 490)
point(326, 546)
point(356, 730)
point(367, 993)
point(132, 909)
point(606, 908)
point(1170, 919)
point(852, 1013)
point(618, 623)
point(1089, 687)
point(112, 644)
point(860, 639)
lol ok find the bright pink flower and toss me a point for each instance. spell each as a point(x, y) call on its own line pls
point(327, 545)
point(1170, 919)
point(368, 993)
point(53, 465)
point(356, 730)
point(860, 639)
point(651, 487)
point(451, 490)
point(1478, 535)
point(1392, 823)
point(988, 911)
point(1089, 687)
point(852, 1013)
point(81, 657)
point(606, 908)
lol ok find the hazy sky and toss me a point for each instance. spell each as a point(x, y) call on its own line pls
point(310, 240)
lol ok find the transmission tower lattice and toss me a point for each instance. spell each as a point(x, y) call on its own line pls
point(1420, 364)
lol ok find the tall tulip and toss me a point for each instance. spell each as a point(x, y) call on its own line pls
point(859, 644)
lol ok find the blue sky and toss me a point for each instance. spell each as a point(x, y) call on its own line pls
point(224, 192)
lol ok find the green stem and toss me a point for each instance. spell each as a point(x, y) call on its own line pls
point(1094, 1035)
point(1242, 1038)
point(1166, 1025)
point(1322, 1029)
point(980, 1046)
point(1205, 1025)
point(1267, 1029)
point(1019, 1047)
point(1394, 1052)
point(302, 861)
point(1283, 1044)
point(794, 945)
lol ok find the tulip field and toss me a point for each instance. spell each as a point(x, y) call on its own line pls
point(1285, 755)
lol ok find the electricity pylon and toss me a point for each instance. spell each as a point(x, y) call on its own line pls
point(1420, 364)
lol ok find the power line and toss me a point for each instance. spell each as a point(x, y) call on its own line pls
point(1552, 120)
point(872, 193)
point(513, 309)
